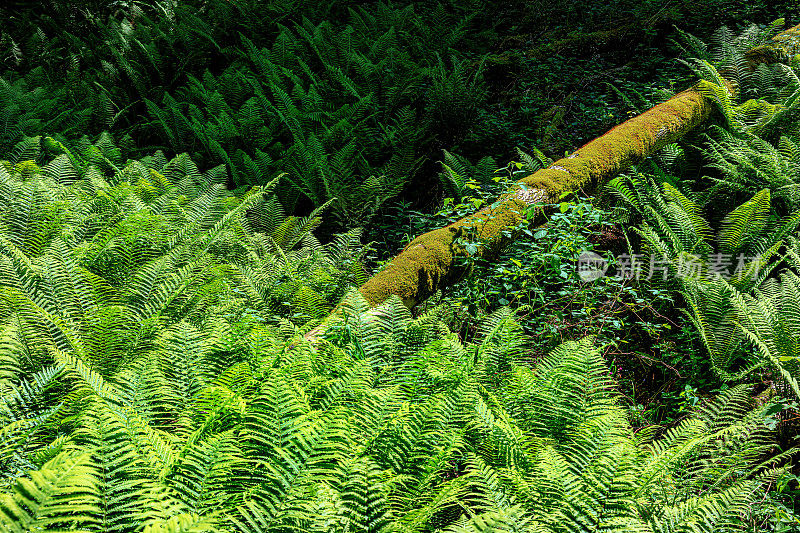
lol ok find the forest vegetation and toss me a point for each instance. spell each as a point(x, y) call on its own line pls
point(397, 266)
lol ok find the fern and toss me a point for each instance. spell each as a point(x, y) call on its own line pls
point(62, 494)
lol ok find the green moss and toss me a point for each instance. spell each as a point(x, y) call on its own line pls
point(623, 146)
point(416, 270)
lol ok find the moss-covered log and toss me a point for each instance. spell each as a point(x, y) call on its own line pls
point(428, 263)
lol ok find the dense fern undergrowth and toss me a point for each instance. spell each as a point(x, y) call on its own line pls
point(150, 382)
point(184, 192)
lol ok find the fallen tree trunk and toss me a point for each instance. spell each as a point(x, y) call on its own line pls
point(429, 262)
